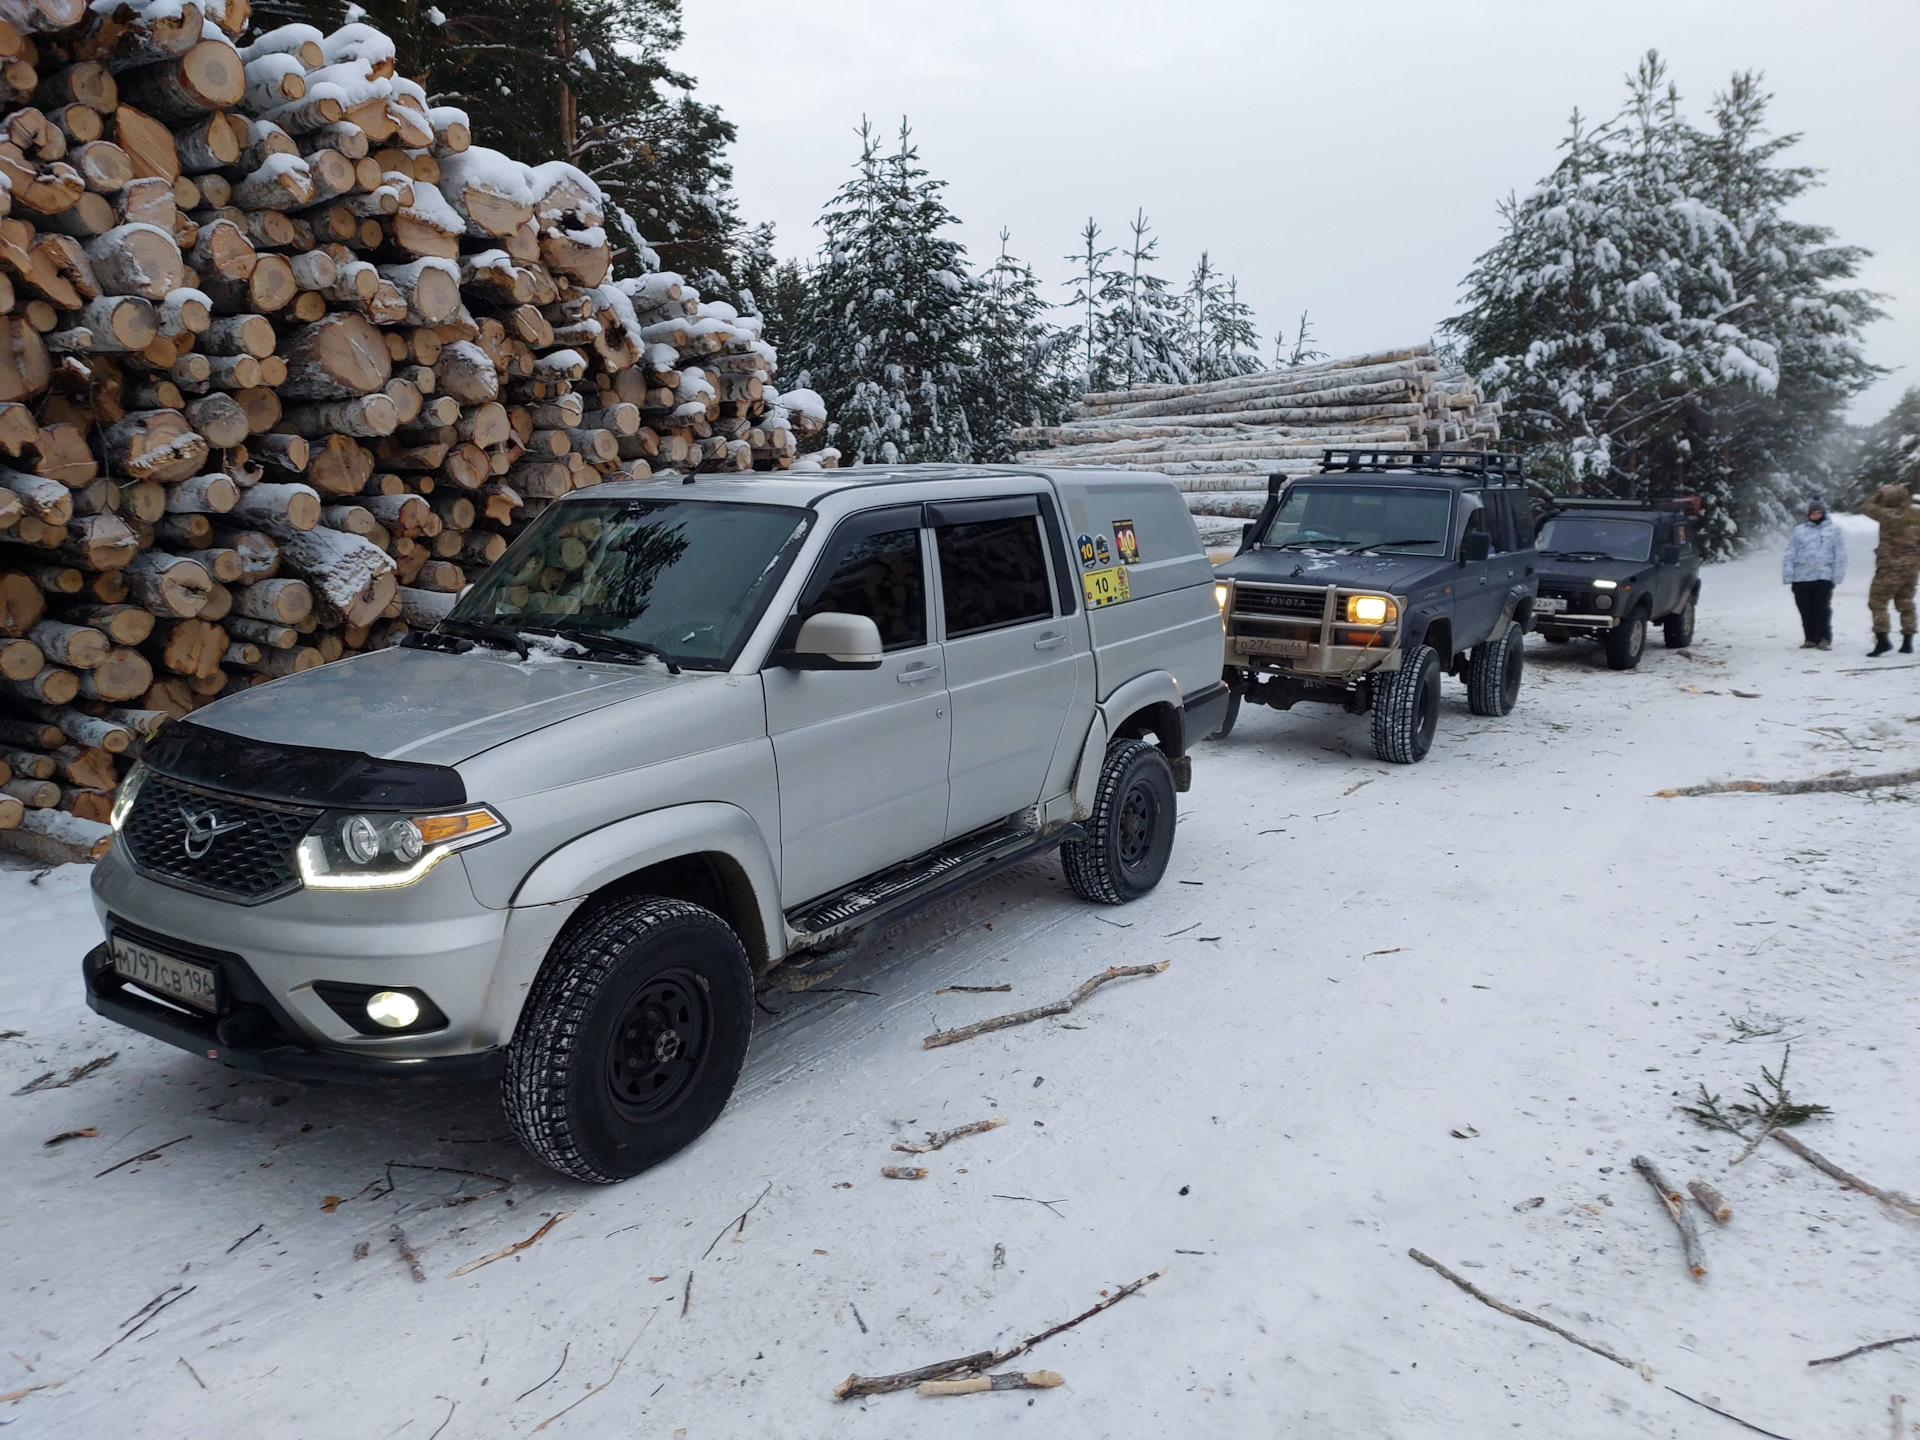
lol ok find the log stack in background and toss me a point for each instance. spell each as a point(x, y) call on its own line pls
point(1222, 439)
point(285, 359)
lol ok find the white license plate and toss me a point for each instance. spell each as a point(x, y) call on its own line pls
point(182, 980)
point(1546, 605)
point(1260, 645)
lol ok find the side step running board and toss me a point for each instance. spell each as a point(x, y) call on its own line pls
point(920, 881)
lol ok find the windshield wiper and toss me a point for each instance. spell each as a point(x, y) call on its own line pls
point(1303, 544)
point(1381, 544)
point(611, 644)
point(1581, 555)
point(434, 640)
point(486, 630)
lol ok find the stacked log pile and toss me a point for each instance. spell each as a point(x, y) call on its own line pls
point(1220, 440)
point(284, 358)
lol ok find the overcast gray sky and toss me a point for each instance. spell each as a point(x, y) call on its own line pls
point(1283, 139)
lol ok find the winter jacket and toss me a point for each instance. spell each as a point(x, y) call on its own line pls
point(1899, 521)
point(1815, 552)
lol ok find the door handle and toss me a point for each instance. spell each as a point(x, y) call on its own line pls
point(914, 674)
point(1052, 640)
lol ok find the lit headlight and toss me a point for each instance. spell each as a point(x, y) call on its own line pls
point(1371, 610)
point(1221, 595)
point(1606, 584)
point(375, 852)
point(123, 800)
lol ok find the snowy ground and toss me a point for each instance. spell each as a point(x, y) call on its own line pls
point(1513, 941)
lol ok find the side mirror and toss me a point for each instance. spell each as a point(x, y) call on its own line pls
point(1476, 547)
point(833, 640)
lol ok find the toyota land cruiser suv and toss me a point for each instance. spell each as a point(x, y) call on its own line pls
point(1359, 586)
point(1609, 567)
point(677, 734)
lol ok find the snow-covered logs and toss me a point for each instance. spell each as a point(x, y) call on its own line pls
point(284, 358)
point(1220, 440)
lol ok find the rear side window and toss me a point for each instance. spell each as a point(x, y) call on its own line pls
point(993, 573)
point(1683, 539)
point(879, 575)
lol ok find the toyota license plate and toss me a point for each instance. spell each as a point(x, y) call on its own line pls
point(176, 979)
point(1549, 605)
point(1261, 645)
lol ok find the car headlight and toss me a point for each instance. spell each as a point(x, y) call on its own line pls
point(1221, 595)
point(1606, 584)
point(1371, 610)
point(123, 798)
point(354, 851)
point(1603, 602)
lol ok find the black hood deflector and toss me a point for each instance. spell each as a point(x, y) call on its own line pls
point(300, 774)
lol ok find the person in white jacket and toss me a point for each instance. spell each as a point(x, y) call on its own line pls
point(1815, 562)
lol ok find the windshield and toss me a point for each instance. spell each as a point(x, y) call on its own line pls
point(1571, 535)
point(687, 576)
point(1392, 518)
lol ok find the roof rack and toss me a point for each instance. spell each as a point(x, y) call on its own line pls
point(1681, 504)
point(1488, 463)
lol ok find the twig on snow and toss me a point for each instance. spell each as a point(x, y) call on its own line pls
point(856, 1317)
point(153, 1154)
point(246, 1237)
point(1820, 1162)
point(1711, 1201)
point(1485, 1299)
point(513, 1249)
point(565, 1350)
point(193, 1372)
point(1048, 1203)
point(399, 1238)
point(1725, 1416)
point(686, 1295)
point(966, 1365)
point(596, 1389)
point(151, 1317)
point(738, 1225)
point(1865, 1349)
point(452, 1405)
point(1676, 1204)
point(12, 1395)
point(975, 1384)
point(90, 1133)
point(903, 1172)
point(1039, 1012)
point(972, 989)
point(1831, 784)
point(78, 1073)
point(937, 1139)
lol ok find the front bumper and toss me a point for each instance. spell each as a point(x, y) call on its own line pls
point(258, 1043)
point(1573, 626)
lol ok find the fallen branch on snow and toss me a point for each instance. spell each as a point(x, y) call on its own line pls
point(1724, 1415)
point(1676, 1204)
point(903, 1172)
point(1039, 1012)
point(1485, 1299)
point(1711, 1201)
point(153, 1154)
point(1820, 1162)
point(1834, 784)
point(513, 1249)
point(967, 1366)
point(935, 1140)
point(79, 1072)
point(1013, 1380)
point(13, 1395)
point(596, 1389)
point(1865, 1349)
point(972, 989)
point(739, 1225)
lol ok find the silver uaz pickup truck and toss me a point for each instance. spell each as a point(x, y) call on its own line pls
point(679, 734)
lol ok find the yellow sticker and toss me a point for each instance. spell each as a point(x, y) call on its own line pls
point(1105, 587)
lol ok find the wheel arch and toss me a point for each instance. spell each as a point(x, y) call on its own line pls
point(1438, 633)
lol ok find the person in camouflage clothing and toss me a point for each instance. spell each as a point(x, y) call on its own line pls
point(1896, 566)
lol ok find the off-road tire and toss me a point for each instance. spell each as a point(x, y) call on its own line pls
point(565, 1093)
point(1558, 639)
point(1406, 707)
point(1493, 675)
point(1130, 833)
point(1677, 628)
point(1225, 728)
point(1627, 641)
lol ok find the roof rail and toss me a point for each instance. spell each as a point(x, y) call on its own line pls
point(1489, 463)
point(1674, 504)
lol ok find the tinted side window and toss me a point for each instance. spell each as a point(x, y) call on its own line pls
point(993, 573)
point(1499, 519)
point(1522, 510)
point(1683, 539)
point(879, 576)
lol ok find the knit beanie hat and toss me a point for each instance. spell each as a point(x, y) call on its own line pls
point(1817, 502)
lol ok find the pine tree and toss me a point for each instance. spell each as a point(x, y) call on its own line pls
point(1141, 340)
point(884, 330)
point(1019, 361)
point(587, 81)
point(1652, 320)
point(1288, 354)
point(1201, 298)
point(1096, 291)
point(1221, 339)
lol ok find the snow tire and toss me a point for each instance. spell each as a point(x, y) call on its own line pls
point(631, 1040)
point(1677, 628)
point(1627, 641)
point(1406, 707)
point(1493, 675)
point(1130, 833)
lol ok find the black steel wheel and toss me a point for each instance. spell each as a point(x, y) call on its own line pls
point(1406, 707)
point(1627, 641)
point(1677, 628)
point(1130, 833)
point(631, 1038)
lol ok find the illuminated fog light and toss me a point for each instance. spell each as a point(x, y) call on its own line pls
point(392, 1009)
point(1220, 595)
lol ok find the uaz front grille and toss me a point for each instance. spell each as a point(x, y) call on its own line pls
point(218, 844)
point(1303, 604)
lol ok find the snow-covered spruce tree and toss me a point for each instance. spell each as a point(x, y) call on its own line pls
point(1653, 322)
point(1889, 453)
point(1287, 354)
point(1141, 336)
point(885, 330)
point(587, 81)
point(1220, 335)
point(1097, 289)
point(1020, 364)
